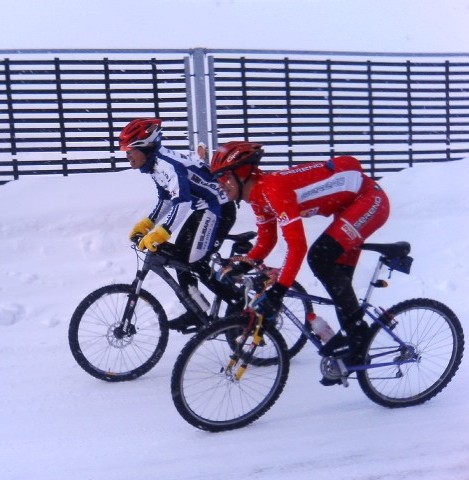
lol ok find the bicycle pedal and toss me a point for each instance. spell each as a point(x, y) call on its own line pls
point(189, 330)
point(344, 381)
point(343, 369)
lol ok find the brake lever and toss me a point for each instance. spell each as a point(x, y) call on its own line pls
point(136, 239)
point(248, 284)
point(215, 259)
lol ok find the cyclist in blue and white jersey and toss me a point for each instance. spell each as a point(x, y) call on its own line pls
point(184, 184)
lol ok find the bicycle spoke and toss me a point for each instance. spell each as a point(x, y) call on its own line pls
point(209, 395)
point(101, 347)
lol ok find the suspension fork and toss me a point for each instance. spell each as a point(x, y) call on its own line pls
point(238, 355)
point(126, 328)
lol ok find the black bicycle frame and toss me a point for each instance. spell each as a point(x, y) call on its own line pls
point(157, 263)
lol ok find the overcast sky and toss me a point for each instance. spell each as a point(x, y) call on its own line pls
point(313, 25)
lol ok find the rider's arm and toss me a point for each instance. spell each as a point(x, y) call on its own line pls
point(176, 194)
point(266, 223)
point(295, 238)
point(161, 209)
point(284, 207)
point(266, 238)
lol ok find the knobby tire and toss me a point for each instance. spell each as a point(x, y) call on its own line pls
point(98, 350)
point(204, 391)
point(437, 336)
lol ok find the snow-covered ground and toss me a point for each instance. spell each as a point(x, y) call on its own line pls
point(63, 237)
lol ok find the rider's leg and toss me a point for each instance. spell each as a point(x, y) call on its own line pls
point(201, 235)
point(227, 219)
point(336, 277)
point(184, 242)
point(334, 256)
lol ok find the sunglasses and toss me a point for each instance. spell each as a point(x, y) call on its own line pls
point(222, 177)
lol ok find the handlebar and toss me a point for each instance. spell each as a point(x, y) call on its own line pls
point(166, 249)
point(241, 243)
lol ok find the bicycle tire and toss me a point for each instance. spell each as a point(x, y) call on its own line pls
point(207, 395)
point(301, 308)
point(437, 336)
point(98, 350)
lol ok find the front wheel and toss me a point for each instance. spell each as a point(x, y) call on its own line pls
point(215, 386)
point(301, 308)
point(103, 349)
point(414, 372)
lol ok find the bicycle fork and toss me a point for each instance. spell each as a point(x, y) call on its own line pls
point(236, 374)
point(126, 328)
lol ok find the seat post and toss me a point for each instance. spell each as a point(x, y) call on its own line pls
point(373, 280)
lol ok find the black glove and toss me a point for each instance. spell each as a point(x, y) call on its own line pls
point(270, 302)
point(238, 266)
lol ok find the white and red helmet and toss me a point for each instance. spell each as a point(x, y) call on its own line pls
point(140, 133)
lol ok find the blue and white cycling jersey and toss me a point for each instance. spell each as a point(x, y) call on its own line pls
point(183, 182)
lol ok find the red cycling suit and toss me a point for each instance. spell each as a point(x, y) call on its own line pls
point(338, 187)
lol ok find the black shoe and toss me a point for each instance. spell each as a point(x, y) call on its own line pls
point(350, 344)
point(328, 382)
point(338, 346)
point(185, 323)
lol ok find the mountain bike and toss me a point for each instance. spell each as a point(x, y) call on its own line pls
point(412, 352)
point(119, 332)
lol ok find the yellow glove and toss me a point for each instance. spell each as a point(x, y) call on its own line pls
point(151, 240)
point(141, 228)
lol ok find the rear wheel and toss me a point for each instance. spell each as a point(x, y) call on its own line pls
point(416, 372)
point(212, 391)
point(301, 308)
point(103, 349)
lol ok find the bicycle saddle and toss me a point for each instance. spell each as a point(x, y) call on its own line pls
point(241, 237)
point(389, 250)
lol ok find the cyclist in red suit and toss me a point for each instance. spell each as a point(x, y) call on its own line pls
point(337, 187)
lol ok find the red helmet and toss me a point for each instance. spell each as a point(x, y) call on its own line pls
point(233, 155)
point(140, 133)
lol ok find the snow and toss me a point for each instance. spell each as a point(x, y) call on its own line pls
point(62, 237)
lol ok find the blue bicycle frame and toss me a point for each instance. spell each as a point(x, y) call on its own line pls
point(370, 311)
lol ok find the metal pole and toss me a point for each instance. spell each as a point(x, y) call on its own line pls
point(200, 96)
